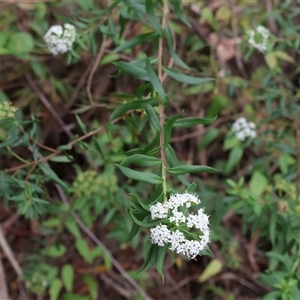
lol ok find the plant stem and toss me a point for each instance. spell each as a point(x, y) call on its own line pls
point(161, 105)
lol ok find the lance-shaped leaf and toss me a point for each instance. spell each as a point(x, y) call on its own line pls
point(137, 200)
point(153, 117)
point(161, 255)
point(131, 69)
point(147, 224)
point(177, 75)
point(150, 259)
point(136, 104)
point(172, 52)
point(152, 17)
point(168, 129)
point(141, 160)
point(154, 80)
point(192, 121)
point(138, 40)
point(191, 169)
point(174, 162)
point(140, 176)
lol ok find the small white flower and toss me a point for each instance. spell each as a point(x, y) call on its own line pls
point(60, 39)
point(174, 237)
point(177, 217)
point(158, 211)
point(160, 235)
point(258, 38)
point(243, 129)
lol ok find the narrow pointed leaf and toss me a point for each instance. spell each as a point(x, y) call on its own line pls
point(191, 169)
point(153, 117)
point(141, 160)
point(131, 69)
point(140, 39)
point(155, 81)
point(134, 230)
point(136, 104)
point(140, 176)
point(177, 75)
point(174, 162)
point(168, 129)
point(147, 224)
point(151, 259)
point(152, 17)
point(172, 52)
point(192, 121)
point(143, 205)
point(161, 255)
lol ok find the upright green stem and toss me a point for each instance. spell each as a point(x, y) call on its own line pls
point(161, 105)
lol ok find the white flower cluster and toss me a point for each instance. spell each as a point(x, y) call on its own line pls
point(60, 39)
point(162, 235)
point(258, 38)
point(243, 129)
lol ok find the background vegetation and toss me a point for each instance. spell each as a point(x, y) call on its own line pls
point(63, 194)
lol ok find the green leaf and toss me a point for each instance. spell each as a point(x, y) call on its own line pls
point(218, 103)
point(137, 200)
point(258, 183)
point(152, 114)
point(51, 175)
point(147, 224)
point(155, 81)
point(151, 259)
point(134, 230)
point(174, 162)
point(136, 104)
point(177, 75)
point(208, 137)
point(93, 286)
point(271, 60)
point(131, 69)
point(56, 250)
point(168, 129)
point(272, 226)
point(192, 121)
point(161, 255)
point(81, 124)
point(84, 250)
point(67, 274)
point(21, 42)
point(191, 188)
point(140, 176)
point(191, 169)
point(141, 160)
point(152, 17)
point(172, 52)
point(62, 158)
point(284, 56)
point(234, 158)
point(55, 289)
point(213, 268)
point(140, 39)
point(178, 12)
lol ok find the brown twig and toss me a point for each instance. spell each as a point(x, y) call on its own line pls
point(49, 106)
point(3, 287)
point(161, 105)
point(9, 254)
point(103, 46)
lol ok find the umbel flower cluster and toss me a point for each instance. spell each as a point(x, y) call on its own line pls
point(243, 129)
point(7, 110)
point(177, 233)
point(60, 39)
point(258, 38)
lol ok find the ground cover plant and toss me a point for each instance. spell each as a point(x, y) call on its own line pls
point(149, 150)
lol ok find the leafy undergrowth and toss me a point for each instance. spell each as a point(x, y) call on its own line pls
point(79, 141)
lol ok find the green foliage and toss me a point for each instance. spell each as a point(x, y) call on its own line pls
point(124, 143)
